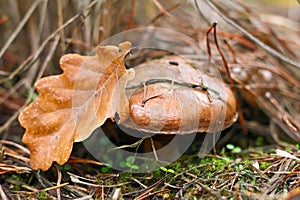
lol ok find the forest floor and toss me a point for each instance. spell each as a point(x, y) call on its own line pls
point(262, 163)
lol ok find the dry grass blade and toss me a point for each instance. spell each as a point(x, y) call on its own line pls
point(25, 81)
point(149, 194)
point(161, 8)
point(20, 26)
point(47, 189)
point(253, 38)
point(5, 168)
point(60, 23)
point(22, 148)
point(162, 14)
point(89, 182)
point(149, 189)
point(2, 194)
point(31, 59)
point(81, 160)
point(58, 183)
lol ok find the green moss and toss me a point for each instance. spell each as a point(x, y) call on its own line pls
point(41, 195)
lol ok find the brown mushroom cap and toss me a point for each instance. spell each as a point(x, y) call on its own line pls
point(173, 108)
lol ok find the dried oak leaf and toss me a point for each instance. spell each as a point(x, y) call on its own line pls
point(70, 106)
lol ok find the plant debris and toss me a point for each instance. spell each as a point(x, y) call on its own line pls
point(261, 50)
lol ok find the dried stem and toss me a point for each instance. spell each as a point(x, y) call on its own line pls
point(19, 27)
point(253, 38)
point(241, 116)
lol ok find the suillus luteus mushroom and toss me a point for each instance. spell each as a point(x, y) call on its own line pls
point(170, 96)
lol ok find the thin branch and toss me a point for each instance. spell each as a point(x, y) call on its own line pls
point(184, 84)
point(208, 43)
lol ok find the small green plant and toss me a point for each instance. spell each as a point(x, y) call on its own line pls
point(65, 168)
point(288, 149)
point(234, 149)
point(16, 177)
point(16, 187)
point(108, 167)
point(260, 141)
point(105, 169)
point(41, 195)
point(167, 170)
point(264, 165)
point(129, 163)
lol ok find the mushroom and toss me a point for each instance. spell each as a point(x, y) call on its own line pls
point(172, 96)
